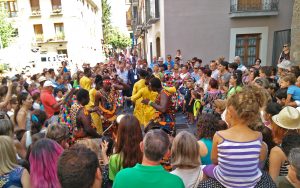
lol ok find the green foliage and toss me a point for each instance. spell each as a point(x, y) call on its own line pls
point(112, 36)
point(106, 23)
point(118, 40)
point(6, 29)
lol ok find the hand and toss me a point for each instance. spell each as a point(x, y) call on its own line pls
point(9, 84)
point(145, 101)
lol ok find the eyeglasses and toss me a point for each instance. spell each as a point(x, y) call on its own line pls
point(285, 46)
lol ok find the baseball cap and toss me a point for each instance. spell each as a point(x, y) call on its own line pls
point(285, 64)
point(49, 83)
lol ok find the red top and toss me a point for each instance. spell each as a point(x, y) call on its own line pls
point(48, 100)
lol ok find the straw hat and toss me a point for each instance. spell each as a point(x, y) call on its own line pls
point(288, 118)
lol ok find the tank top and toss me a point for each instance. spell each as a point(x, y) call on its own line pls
point(206, 160)
point(238, 163)
point(12, 179)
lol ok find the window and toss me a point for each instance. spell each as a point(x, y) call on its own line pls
point(59, 27)
point(59, 31)
point(38, 29)
point(56, 4)
point(247, 47)
point(10, 6)
point(35, 5)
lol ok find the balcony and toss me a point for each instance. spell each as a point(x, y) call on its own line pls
point(39, 38)
point(56, 10)
point(35, 12)
point(253, 8)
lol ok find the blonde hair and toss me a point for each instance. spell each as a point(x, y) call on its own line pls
point(248, 102)
point(8, 159)
point(185, 152)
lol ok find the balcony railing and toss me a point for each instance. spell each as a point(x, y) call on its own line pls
point(60, 36)
point(39, 38)
point(250, 8)
point(56, 9)
point(35, 11)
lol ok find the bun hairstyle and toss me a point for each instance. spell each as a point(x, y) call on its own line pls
point(248, 102)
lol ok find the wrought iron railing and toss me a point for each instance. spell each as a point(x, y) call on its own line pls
point(253, 6)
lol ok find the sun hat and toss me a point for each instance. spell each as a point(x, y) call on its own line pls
point(285, 64)
point(288, 118)
point(49, 83)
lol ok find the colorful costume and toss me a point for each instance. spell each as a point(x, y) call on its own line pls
point(166, 119)
point(108, 109)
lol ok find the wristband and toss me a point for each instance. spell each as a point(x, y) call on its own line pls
point(150, 103)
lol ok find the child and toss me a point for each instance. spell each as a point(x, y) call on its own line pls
point(36, 101)
point(59, 93)
point(189, 101)
point(238, 151)
point(293, 92)
point(281, 95)
point(196, 104)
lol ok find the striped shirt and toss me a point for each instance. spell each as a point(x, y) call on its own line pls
point(238, 163)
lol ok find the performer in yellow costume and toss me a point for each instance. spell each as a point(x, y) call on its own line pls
point(138, 109)
point(95, 117)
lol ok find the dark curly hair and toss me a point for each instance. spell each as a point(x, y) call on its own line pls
point(208, 125)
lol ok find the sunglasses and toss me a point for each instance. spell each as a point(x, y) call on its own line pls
point(285, 46)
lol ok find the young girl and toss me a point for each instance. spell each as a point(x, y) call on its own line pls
point(237, 151)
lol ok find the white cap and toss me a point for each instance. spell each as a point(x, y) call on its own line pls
point(49, 83)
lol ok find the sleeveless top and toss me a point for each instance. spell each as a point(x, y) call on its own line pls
point(238, 163)
point(206, 160)
point(12, 179)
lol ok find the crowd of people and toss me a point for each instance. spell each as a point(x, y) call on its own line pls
point(63, 128)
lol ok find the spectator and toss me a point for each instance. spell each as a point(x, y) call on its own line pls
point(293, 178)
point(22, 112)
point(37, 119)
point(213, 93)
point(169, 61)
point(293, 92)
point(241, 67)
point(214, 69)
point(78, 167)
point(128, 153)
point(207, 126)
point(150, 173)
point(186, 159)
point(11, 174)
point(257, 64)
point(43, 163)
point(224, 75)
point(235, 83)
point(49, 102)
point(285, 54)
point(285, 123)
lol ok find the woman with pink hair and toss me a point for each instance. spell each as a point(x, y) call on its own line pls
point(43, 163)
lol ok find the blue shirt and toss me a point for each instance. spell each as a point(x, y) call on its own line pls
point(295, 92)
point(172, 63)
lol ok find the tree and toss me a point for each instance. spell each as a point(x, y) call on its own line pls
point(295, 46)
point(6, 29)
point(106, 23)
point(118, 40)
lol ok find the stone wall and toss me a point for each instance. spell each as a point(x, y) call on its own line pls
point(295, 38)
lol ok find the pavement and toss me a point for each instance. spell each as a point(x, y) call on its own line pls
point(181, 121)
